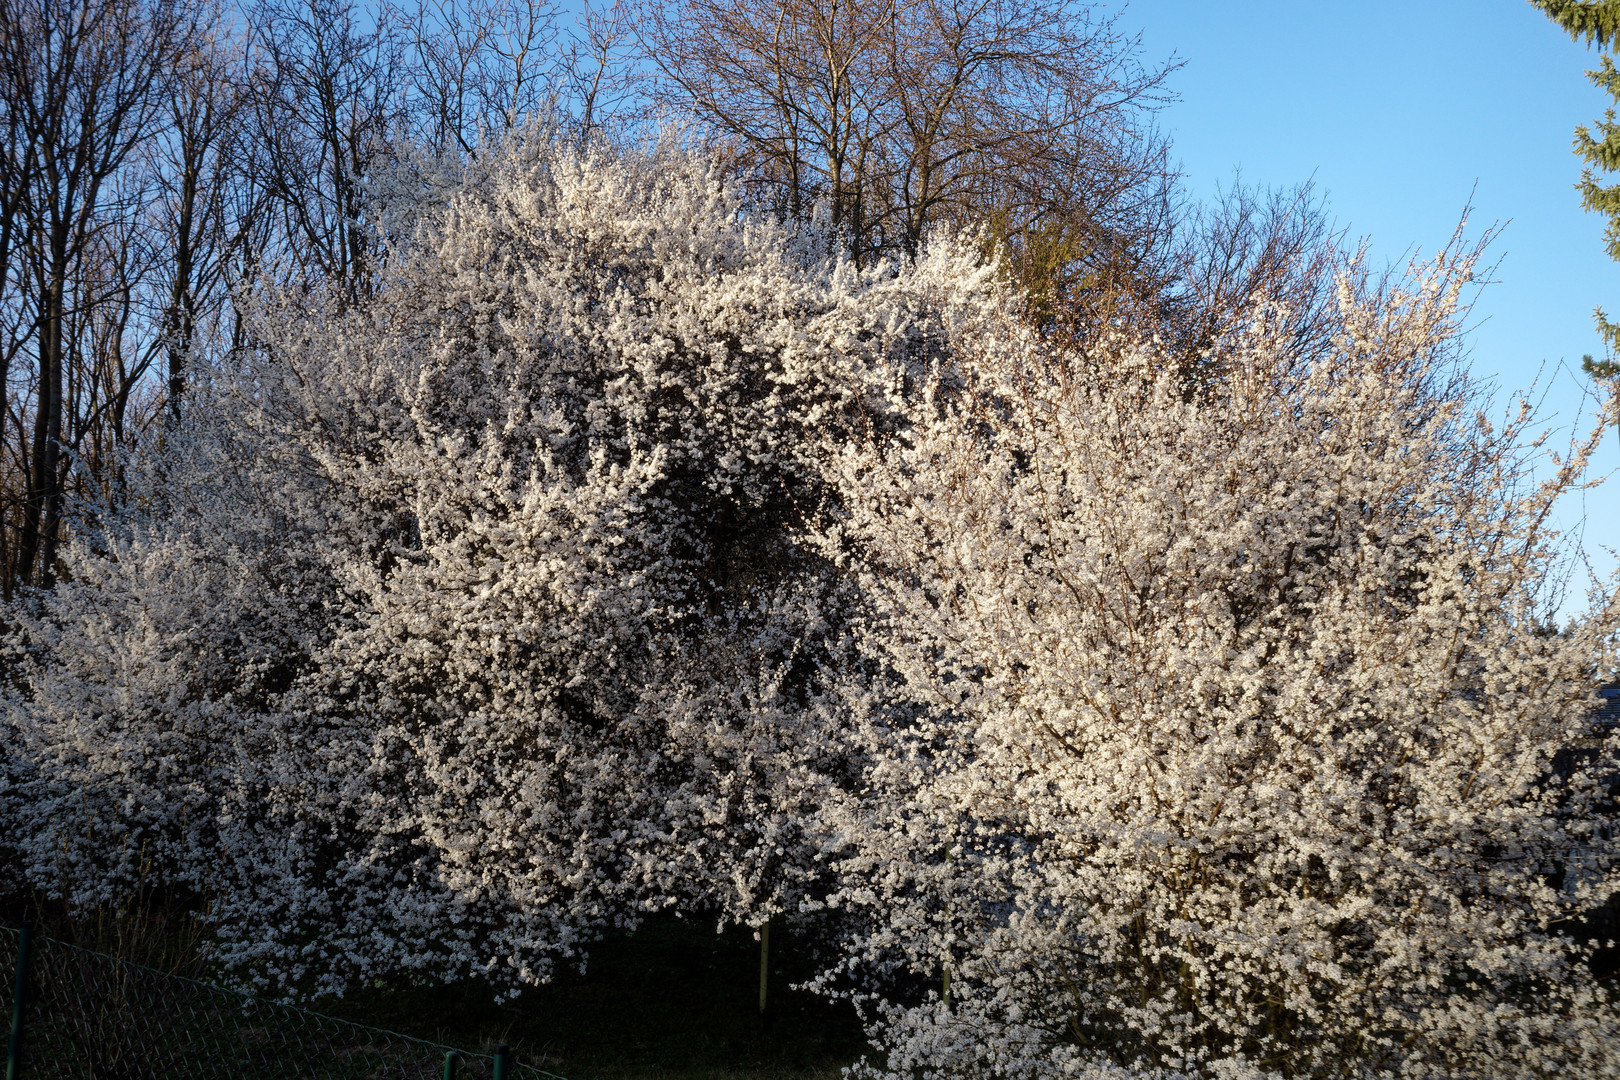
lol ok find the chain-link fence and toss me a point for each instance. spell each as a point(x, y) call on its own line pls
point(89, 1016)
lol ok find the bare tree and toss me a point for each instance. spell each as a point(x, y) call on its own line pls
point(18, 162)
point(81, 83)
point(327, 95)
point(159, 155)
point(905, 114)
point(195, 168)
point(598, 67)
point(480, 66)
point(797, 88)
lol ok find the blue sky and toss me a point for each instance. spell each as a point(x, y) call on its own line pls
point(1399, 111)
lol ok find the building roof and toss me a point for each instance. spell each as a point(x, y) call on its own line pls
point(1607, 715)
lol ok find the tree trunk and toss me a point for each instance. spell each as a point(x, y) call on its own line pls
point(764, 964)
point(42, 510)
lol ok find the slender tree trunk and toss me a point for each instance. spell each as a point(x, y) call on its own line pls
point(42, 510)
point(181, 318)
point(9, 213)
point(764, 964)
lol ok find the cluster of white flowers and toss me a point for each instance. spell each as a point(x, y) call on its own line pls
point(1220, 733)
point(621, 550)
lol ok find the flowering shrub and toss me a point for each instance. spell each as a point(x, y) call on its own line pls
point(1219, 726)
point(469, 617)
point(617, 550)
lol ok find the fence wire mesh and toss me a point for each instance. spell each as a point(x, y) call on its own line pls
point(90, 1016)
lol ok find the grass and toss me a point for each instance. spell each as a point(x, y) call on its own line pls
point(671, 1001)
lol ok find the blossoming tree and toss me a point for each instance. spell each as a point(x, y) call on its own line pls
point(1219, 727)
point(614, 549)
point(468, 617)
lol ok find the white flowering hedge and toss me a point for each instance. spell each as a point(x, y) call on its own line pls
point(621, 551)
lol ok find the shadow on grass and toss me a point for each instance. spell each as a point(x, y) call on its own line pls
point(671, 1001)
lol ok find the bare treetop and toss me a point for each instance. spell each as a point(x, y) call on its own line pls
point(901, 116)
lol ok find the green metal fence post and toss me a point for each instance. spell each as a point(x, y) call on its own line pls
point(25, 943)
point(501, 1052)
point(450, 1064)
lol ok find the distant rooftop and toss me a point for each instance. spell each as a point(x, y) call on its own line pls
point(1607, 716)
